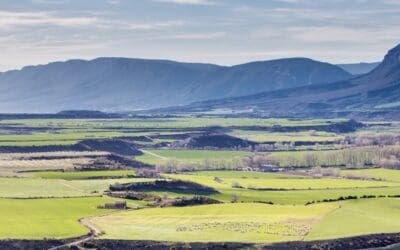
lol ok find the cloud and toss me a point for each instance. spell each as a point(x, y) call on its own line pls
point(50, 1)
point(188, 2)
point(192, 36)
point(17, 19)
point(147, 25)
point(337, 34)
point(11, 20)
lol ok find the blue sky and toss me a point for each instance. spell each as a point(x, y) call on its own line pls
point(224, 32)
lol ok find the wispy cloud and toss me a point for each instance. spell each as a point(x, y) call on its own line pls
point(11, 20)
point(15, 19)
point(50, 1)
point(192, 36)
point(188, 2)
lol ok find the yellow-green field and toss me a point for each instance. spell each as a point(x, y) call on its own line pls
point(35, 188)
point(250, 222)
point(190, 156)
point(376, 173)
point(82, 175)
point(280, 183)
point(51, 195)
point(47, 218)
point(265, 136)
point(359, 217)
point(242, 222)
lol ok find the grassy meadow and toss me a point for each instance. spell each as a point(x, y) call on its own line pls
point(190, 156)
point(47, 218)
point(243, 222)
point(45, 194)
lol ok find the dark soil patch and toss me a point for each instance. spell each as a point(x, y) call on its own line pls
point(112, 162)
point(218, 141)
point(162, 185)
point(338, 127)
point(121, 147)
point(153, 245)
point(29, 244)
point(358, 242)
point(116, 146)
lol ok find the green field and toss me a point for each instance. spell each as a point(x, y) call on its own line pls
point(358, 218)
point(179, 122)
point(249, 222)
point(98, 186)
point(46, 218)
point(301, 194)
point(243, 222)
point(32, 188)
point(257, 207)
point(279, 183)
point(376, 173)
point(82, 175)
point(264, 136)
point(190, 156)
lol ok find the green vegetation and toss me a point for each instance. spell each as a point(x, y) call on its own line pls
point(82, 175)
point(242, 222)
point(46, 218)
point(375, 173)
point(280, 183)
point(352, 157)
point(98, 186)
point(297, 189)
point(190, 156)
point(295, 204)
point(33, 188)
point(306, 136)
point(359, 217)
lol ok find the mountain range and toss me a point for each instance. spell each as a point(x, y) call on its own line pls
point(279, 87)
point(376, 93)
point(123, 84)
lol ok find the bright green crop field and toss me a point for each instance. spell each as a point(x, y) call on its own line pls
point(301, 194)
point(280, 183)
point(245, 222)
point(256, 207)
point(265, 136)
point(251, 222)
point(359, 217)
point(46, 218)
point(191, 156)
point(376, 173)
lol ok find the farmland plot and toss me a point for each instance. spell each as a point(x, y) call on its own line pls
point(244, 222)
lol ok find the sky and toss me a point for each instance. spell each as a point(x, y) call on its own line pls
point(224, 32)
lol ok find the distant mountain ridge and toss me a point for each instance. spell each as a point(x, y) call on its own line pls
point(374, 93)
point(123, 84)
point(359, 68)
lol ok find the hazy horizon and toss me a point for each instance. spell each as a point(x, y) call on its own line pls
point(205, 31)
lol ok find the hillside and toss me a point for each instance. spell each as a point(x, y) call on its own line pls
point(121, 84)
point(375, 93)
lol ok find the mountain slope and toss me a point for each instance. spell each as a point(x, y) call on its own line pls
point(376, 91)
point(120, 84)
point(256, 77)
point(359, 68)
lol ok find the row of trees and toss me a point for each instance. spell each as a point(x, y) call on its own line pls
point(386, 156)
point(381, 156)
